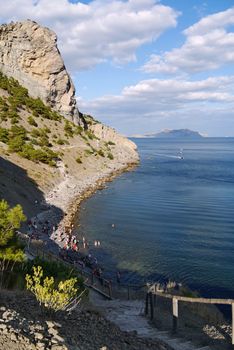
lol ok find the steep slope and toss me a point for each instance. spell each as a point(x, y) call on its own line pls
point(56, 160)
point(29, 53)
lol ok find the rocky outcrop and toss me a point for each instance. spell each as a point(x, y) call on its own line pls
point(29, 53)
point(125, 150)
point(23, 326)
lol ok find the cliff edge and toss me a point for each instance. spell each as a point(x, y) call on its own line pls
point(44, 155)
point(29, 53)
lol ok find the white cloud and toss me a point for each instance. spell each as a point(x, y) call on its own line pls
point(208, 46)
point(165, 102)
point(101, 30)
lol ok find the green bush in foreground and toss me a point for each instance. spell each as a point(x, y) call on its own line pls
point(47, 293)
point(10, 219)
point(11, 252)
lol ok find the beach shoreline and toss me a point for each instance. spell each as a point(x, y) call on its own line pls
point(100, 183)
point(62, 204)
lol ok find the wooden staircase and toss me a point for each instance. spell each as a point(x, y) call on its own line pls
point(129, 316)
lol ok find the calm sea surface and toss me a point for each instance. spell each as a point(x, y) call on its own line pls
point(174, 218)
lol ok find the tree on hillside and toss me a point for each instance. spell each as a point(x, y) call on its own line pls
point(10, 251)
point(10, 219)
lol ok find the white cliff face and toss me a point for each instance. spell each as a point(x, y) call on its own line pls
point(29, 53)
point(125, 150)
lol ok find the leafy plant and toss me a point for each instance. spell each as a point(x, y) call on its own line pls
point(10, 250)
point(16, 144)
point(101, 153)
point(4, 135)
point(110, 143)
point(60, 141)
point(88, 152)
point(68, 129)
point(10, 219)
point(110, 156)
point(32, 121)
point(52, 296)
point(35, 133)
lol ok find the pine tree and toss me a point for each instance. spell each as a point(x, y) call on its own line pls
point(10, 252)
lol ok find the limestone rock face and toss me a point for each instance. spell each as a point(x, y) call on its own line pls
point(29, 53)
point(125, 149)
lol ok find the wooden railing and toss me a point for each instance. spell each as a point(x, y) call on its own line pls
point(99, 284)
point(175, 299)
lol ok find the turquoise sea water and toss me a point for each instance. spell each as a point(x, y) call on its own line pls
point(174, 218)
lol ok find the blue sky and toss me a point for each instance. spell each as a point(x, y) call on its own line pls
point(144, 65)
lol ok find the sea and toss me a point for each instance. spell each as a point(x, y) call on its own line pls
point(172, 218)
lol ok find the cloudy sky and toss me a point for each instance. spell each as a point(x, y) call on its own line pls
point(145, 65)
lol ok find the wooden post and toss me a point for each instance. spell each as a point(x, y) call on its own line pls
point(147, 304)
point(155, 299)
point(151, 306)
point(110, 289)
point(232, 324)
point(175, 314)
point(155, 303)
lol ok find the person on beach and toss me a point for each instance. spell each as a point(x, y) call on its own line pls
point(74, 247)
point(118, 277)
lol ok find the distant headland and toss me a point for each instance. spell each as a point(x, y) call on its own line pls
point(167, 133)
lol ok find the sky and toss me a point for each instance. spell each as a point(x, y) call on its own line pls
point(142, 66)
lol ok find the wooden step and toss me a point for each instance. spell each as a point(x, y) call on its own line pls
point(188, 345)
point(180, 344)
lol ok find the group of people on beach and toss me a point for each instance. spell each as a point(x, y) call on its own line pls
point(69, 245)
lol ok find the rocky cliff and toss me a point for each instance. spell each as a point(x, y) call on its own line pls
point(29, 53)
point(43, 156)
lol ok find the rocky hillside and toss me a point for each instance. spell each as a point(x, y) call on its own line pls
point(29, 53)
point(49, 151)
point(24, 326)
point(46, 153)
point(40, 149)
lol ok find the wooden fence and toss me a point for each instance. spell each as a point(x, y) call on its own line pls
point(152, 294)
point(99, 284)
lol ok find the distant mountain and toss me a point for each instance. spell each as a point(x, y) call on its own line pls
point(179, 133)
